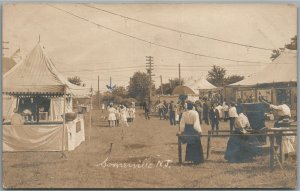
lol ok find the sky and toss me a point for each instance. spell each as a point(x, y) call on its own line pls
point(82, 48)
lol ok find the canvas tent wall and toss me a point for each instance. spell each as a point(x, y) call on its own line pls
point(36, 77)
point(8, 105)
point(277, 77)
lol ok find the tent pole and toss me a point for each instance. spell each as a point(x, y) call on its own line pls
point(17, 103)
point(90, 127)
point(64, 125)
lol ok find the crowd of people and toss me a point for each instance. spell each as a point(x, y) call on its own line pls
point(190, 115)
point(120, 115)
point(239, 148)
point(208, 111)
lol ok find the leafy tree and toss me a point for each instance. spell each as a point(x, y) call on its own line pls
point(120, 91)
point(275, 54)
point(169, 87)
point(233, 79)
point(293, 44)
point(107, 97)
point(216, 76)
point(75, 80)
point(128, 101)
point(139, 86)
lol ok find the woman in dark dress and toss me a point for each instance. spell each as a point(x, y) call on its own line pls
point(192, 130)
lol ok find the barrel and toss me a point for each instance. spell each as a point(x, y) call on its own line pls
point(256, 116)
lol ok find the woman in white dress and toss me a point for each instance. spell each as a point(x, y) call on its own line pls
point(112, 116)
point(123, 116)
point(131, 113)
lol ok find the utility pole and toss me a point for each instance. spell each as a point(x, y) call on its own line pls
point(149, 68)
point(179, 75)
point(161, 86)
point(98, 93)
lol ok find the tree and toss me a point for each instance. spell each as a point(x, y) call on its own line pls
point(170, 86)
point(275, 54)
point(139, 86)
point(75, 80)
point(293, 44)
point(216, 76)
point(120, 91)
point(290, 46)
point(233, 79)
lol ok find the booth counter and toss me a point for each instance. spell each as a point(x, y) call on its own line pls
point(46, 136)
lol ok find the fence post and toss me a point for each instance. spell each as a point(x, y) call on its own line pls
point(179, 149)
point(271, 136)
point(280, 146)
point(208, 144)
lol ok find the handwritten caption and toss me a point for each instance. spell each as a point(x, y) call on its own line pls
point(146, 163)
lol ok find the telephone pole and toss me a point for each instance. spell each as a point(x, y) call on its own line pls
point(179, 74)
point(161, 86)
point(98, 93)
point(149, 68)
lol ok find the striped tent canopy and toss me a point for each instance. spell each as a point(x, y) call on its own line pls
point(37, 75)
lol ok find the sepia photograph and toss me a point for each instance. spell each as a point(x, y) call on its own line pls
point(149, 95)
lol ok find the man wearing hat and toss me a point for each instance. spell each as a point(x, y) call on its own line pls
point(192, 130)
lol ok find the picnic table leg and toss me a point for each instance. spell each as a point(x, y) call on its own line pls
point(271, 152)
point(179, 150)
point(208, 144)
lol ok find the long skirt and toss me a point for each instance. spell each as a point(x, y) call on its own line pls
point(194, 150)
point(242, 149)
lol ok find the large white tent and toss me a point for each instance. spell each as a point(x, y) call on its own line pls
point(197, 84)
point(36, 77)
point(282, 69)
point(37, 73)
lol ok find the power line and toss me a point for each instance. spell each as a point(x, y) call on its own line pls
point(160, 67)
point(153, 43)
point(106, 69)
point(180, 31)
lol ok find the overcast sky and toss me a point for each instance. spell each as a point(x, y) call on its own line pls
point(81, 48)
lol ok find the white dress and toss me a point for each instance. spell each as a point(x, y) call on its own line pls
point(123, 114)
point(112, 114)
point(131, 113)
